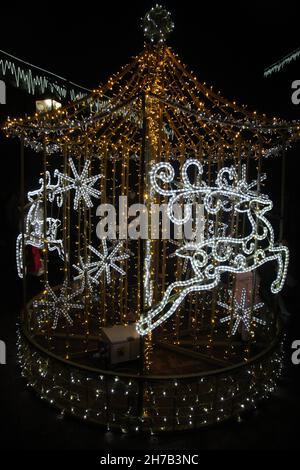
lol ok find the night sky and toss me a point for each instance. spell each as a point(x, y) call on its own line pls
point(227, 44)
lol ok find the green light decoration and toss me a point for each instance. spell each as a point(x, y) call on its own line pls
point(280, 64)
point(37, 80)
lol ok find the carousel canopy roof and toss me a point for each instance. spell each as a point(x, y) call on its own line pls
point(158, 91)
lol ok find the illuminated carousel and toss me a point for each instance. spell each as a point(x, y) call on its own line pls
point(176, 327)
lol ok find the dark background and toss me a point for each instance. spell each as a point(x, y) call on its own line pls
point(227, 45)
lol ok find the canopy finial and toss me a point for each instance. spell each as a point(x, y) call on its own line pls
point(157, 24)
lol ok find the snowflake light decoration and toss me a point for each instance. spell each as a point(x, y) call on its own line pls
point(82, 183)
point(85, 271)
point(241, 313)
point(58, 305)
point(107, 261)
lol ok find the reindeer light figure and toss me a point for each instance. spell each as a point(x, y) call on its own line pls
point(213, 256)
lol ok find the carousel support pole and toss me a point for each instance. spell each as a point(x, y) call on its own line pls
point(127, 166)
point(215, 290)
point(66, 242)
point(282, 197)
point(142, 200)
point(276, 306)
point(141, 255)
point(255, 279)
point(45, 249)
point(102, 288)
point(22, 207)
point(115, 307)
point(85, 248)
point(212, 303)
point(45, 245)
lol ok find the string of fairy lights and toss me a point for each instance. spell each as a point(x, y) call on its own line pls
point(192, 124)
point(174, 404)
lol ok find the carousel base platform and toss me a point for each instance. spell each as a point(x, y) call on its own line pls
point(183, 390)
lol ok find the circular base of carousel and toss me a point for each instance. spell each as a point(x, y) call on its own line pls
point(183, 388)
